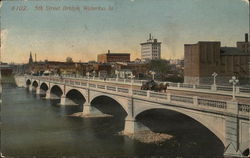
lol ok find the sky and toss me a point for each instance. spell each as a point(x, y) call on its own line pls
point(116, 25)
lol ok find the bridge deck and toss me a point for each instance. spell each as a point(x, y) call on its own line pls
point(219, 96)
point(243, 98)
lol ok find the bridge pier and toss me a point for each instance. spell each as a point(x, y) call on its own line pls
point(132, 126)
point(63, 100)
point(30, 88)
point(38, 91)
point(232, 131)
point(47, 96)
point(89, 110)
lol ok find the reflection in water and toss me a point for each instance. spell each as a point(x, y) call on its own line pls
point(33, 126)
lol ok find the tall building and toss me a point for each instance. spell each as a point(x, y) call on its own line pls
point(30, 59)
point(204, 58)
point(151, 49)
point(113, 57)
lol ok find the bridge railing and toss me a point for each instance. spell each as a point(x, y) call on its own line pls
point(212, 103)
point(244, 109)
point(177, 86)
point(196, 102)
point(183, 99)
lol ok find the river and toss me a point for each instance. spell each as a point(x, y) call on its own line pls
point(33, 126)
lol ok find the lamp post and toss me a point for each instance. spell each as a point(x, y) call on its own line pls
point(214, 87)
point(87, 74)
point(132, 80)
point(153, 74)
point(214, 75)
point(94, 75)
point(234, 81)
point(117, 73)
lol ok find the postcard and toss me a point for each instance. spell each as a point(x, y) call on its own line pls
point(125, 78)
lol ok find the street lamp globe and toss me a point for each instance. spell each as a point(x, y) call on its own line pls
point(234, 82)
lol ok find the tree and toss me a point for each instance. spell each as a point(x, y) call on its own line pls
point(69, 60)
point(160, 67)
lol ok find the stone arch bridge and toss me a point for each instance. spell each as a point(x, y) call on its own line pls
point(228, 120)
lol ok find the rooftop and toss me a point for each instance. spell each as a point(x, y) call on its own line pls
point(232, 51)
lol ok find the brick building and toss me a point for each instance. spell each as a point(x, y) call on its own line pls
point(113, 57)
point(204, 58)
point(6, 70)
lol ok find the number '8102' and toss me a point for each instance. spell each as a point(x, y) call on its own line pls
point(19, 8)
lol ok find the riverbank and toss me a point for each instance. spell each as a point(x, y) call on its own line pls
point(148, 136)
point(8, 79)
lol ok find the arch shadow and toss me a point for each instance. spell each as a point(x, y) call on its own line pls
point(28, 82)
point(56, 90)
point(108, 105)
point(44, 86)
point(76, 96)
point(184, 128)
point(35, 84)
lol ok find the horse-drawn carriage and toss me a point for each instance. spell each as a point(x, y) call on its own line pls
point(154, 86)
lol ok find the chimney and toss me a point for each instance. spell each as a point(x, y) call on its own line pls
point(246, 37)
point(150, 36)
point(108, 51)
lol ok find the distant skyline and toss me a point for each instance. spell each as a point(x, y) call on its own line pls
point(57, 34)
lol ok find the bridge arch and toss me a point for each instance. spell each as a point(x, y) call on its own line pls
point(246, 152)
point(215, 124)
point(56, 90)
point(120, 101)
point(35, 84)
point(76, 96)
point(44, 86)
point(115, 103)
point(28, 82)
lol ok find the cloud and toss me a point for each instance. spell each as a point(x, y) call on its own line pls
point(245, 1)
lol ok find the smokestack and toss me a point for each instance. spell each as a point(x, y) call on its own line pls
point(248, 49)
point(35, 57)
point(150, 36)
point(246, 37)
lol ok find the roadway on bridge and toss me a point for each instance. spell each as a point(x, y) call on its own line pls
point(217, 96)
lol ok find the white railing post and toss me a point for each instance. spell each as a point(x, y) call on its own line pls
point(131, 91)
point(194, 86)
point(232, 107)
point(168, 96)
point(148, 93)
point(195, 100)
point(214, 87)
point(178, 85)
point(237, 90)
